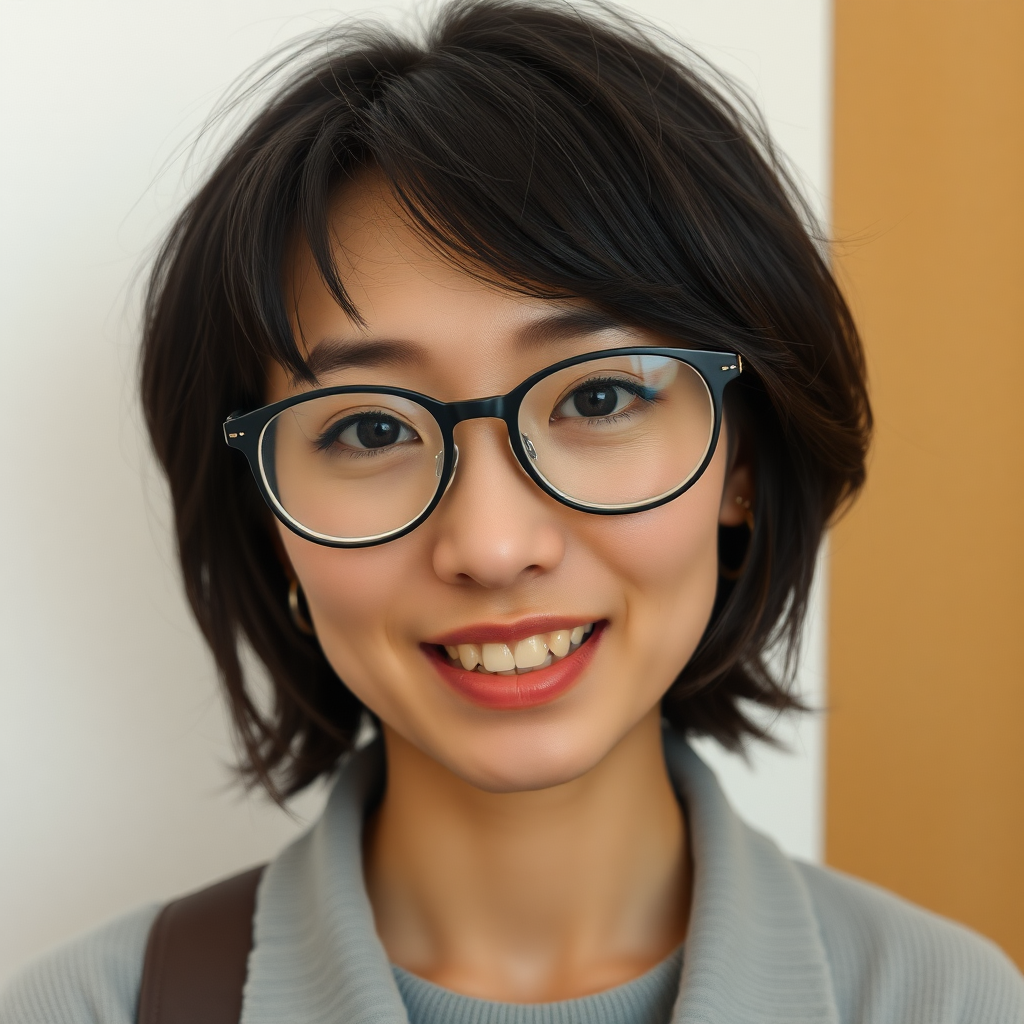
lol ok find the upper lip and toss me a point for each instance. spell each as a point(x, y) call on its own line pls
point(509, 632)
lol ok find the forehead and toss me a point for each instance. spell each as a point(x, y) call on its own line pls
point(396, 281)
point(422, 314)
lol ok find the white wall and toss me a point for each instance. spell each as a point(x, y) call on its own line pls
point(113, 785)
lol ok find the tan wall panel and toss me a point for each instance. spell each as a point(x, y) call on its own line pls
point(925, 788)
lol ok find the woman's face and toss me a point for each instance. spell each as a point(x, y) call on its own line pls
point(498, 560)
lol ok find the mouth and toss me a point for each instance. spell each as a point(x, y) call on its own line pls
point(520, 657)
point(501, 668)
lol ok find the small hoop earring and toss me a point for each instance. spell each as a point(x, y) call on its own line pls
point(734, 574)
point(749, 517)
point(301, 622)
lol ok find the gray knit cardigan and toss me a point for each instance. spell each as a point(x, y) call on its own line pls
point(770, 941)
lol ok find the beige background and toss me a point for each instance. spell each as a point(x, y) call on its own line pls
point(925, 791)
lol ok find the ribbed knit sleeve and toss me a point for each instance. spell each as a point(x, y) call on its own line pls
point(91, 980)
point(894, 963)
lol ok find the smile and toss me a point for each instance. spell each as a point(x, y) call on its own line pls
point(515, 667)
point(535, 652)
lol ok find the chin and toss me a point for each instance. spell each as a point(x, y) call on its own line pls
point(525, 755)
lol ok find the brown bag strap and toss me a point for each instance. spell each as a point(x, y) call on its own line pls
point(198, 953)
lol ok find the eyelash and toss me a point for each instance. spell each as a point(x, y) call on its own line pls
point(329, 438)
point(645, 394)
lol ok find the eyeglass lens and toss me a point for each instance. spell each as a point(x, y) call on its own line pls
point(620, 431)
point(612, 433)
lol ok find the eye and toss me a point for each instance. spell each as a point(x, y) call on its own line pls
point(598, 399)
point(367, 431)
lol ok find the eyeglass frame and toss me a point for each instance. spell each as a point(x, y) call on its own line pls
point(244, 431)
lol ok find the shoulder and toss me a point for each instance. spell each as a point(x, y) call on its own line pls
point(893, 961)
point(91, 980)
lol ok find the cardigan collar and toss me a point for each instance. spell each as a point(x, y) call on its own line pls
point(753, 955)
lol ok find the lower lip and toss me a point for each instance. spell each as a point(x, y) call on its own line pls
point(511, 693)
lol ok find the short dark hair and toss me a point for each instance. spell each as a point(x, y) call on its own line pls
point(562, 151)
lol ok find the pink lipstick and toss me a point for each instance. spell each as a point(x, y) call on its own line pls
point(506, 692)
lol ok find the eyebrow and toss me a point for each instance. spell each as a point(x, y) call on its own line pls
point(338, 354)
point(334, 354)
point(564, 324)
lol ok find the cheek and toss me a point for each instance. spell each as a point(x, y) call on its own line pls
point(666, 550)
point(351, 594)
point(669, 550)
point(665, 563)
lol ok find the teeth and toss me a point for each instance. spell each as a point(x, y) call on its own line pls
point(544, 664)
point(534, 652)
point(468, 654)
point(531, 652)
point(498, 658)
point(559, 642)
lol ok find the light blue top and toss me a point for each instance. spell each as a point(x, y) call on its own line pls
point(770, 941)
point(644, 1000)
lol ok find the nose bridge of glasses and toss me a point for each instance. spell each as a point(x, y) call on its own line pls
point(495, 408)
point(479, 409)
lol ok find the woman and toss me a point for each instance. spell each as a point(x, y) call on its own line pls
point(543, 396)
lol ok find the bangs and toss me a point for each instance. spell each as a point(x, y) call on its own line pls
point(526, 166)
point(554, 149)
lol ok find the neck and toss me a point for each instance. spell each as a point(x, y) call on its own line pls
point(535, 896)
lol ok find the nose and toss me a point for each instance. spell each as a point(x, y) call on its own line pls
point(494, 527)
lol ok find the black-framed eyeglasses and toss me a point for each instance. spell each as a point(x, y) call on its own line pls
point(612, 432)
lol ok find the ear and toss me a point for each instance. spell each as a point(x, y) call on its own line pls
point(737, 495)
